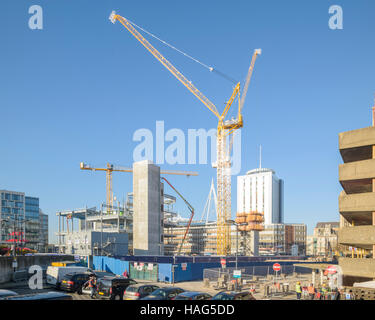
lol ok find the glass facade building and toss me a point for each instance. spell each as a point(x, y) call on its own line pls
point(43, 235)
point(21, 221)
point(32, 224)
point(12, 216)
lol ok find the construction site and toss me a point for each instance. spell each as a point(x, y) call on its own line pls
point(147, 236)
point(187, 150)
point(147, 227)
point(147, 223)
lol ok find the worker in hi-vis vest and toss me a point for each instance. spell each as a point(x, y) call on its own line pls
point(298, 290)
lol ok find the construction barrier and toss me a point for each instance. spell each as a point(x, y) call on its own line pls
point(178, 269)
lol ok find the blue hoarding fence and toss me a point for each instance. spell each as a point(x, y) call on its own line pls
point(189, 268)
point(109, 264)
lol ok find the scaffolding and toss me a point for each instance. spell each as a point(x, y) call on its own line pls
point(115, 220)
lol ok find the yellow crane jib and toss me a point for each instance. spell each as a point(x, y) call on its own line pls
point(188, 84)
point(224, 129)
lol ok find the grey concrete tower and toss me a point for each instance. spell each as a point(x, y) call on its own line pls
point(147, 216)
point(357, 204)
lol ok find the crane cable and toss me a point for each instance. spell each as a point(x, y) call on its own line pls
point(185, 54)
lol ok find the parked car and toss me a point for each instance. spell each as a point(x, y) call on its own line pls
point(139, 291)
point(193, 295)
point(112, 287)
point(231, 295)
point(73, 282)
point(166, 293)
point(42, 296)
point(55, 274)
point(101, 274)
point(7, 293)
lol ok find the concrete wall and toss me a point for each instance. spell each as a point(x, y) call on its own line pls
point(24, 262)
point(357, 138)
point(359, 202)
point(147, 216)
point(357, 236)
point(358, 267)
point(357, 170)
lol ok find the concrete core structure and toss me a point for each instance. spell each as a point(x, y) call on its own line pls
point(357, 204)
point(147, 209)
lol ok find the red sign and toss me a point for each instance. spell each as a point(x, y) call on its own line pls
point(331, 269)
point(223, 262)
point(276, 267)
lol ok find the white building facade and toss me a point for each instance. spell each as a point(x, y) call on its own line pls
point(262, 191)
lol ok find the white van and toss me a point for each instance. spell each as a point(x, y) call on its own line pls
point(55, 274)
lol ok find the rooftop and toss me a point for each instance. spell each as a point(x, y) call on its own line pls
point(260, 170)
point(324, 224)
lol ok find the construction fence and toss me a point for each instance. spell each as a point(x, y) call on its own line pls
point(247, 273)
point(256, 278)
point(178, 269)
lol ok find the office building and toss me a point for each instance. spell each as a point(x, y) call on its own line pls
point(43, 232)
point(260, 190)
point(21, 221)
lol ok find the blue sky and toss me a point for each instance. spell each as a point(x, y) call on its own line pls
point(78, 89)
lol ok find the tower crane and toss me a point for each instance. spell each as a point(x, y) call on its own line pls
point(111, 168)
point(224, 129)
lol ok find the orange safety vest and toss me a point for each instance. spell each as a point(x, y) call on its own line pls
point(92, 283)
point(311, 290)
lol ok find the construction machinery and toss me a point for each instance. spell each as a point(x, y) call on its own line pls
point(111, 168)
point(224, 129)
point(191, 215)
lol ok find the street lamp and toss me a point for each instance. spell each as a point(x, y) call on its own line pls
point(237, 225)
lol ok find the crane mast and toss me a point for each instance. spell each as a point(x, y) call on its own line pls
point(224, 129)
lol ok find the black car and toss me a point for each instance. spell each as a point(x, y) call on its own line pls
point(73, 282)
point(42, 296)
point(231, 295)
point(139, 291)
point(112, 287)
point(166, 293)
point(193, 295)
point(7, 293)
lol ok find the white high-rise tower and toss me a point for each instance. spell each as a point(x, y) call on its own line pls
point(262, 191)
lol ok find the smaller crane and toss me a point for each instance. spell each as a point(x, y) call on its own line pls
point(191, 216)
point(111, 168)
